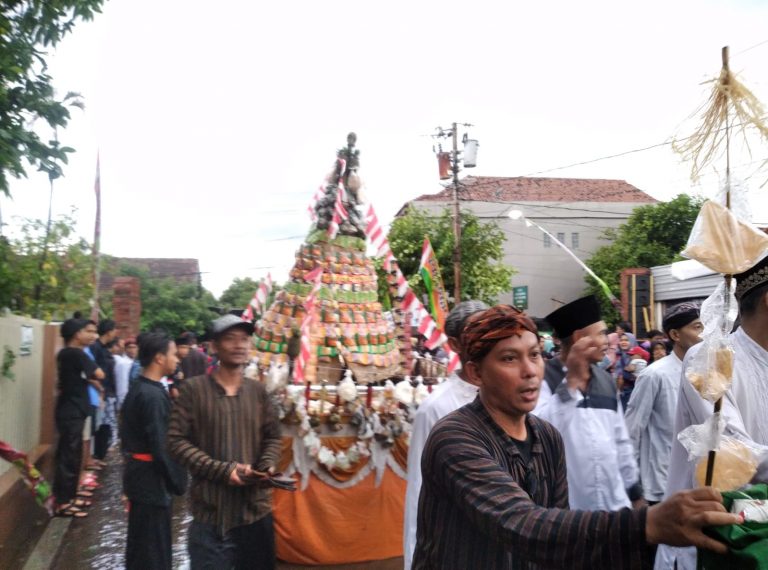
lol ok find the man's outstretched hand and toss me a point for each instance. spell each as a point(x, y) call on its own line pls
point(679, 520)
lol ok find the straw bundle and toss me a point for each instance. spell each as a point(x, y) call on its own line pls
point(729, 100)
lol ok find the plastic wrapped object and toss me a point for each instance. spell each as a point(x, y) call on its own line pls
point(710, 371)
point(719, 310)
point(747, 542)
point(735, 461)
point(735, 465)
point(724, 243)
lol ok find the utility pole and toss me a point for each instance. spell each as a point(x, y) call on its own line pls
point(453, 132)
point(456, 220)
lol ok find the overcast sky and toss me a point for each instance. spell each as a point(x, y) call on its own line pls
point(217, 121)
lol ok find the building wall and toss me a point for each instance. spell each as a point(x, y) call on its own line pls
point(20, 399)
point(551, 275)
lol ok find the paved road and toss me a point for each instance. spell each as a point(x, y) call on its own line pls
point(98, 541)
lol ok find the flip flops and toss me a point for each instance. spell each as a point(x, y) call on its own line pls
point(82, 503)
point(72, 511)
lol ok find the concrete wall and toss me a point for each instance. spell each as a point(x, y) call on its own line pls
point(20, 399)
point(26, 422)
point(551, 275)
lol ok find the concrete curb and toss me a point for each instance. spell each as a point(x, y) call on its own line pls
point(47, 547)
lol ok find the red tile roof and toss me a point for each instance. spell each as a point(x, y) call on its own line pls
point(520, 189)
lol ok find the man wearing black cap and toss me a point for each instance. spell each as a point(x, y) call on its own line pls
point(225, 430)
point(651, 410)
point(744, 404)
point(584, 407)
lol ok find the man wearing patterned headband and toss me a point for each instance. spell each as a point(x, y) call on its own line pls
point(744, 404)
point(495, 494)
point(447, 397)
point(651, 410)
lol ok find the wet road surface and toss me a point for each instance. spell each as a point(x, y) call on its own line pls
point(98, 541)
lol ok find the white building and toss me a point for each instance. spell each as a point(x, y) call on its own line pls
point(576, 211)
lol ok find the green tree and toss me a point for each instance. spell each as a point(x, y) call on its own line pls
point(27, 29)
point(653, 235)
point(239, 293)
point(47, 278)
point(483, 274)
point(172, 305)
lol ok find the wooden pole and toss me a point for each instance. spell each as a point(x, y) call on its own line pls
point(456, 220)
point(719, 403)
point(634, 304)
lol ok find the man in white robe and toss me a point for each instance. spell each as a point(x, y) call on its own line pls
point(447, 397)
point(602, 471)
point(650, 413)
point(744, 404)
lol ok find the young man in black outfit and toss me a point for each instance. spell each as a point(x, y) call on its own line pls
point(150, 475)
point(72, 408)
point(107, 419)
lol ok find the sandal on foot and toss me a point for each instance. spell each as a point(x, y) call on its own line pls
point(82, 503)
point(85, 493)
point(71, 511)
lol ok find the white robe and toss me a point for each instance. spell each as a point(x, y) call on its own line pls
point(650, 422)
point(598, 452)
point(744, 411)
point(447, 397)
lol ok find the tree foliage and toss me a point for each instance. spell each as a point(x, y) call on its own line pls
point(483, 274)
point(46, 278)
point(172, 305)
point(653, 235)
point(27, 29)
point(239, 293)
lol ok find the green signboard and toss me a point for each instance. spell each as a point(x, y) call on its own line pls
point(520, 297)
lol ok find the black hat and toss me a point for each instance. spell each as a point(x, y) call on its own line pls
point(182, 340)
point(680, 315)
point(575, 315)
point(752, 278)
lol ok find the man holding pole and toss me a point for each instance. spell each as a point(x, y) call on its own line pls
point(744, 404)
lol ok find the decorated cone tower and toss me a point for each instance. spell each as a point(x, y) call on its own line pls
point(328, 318)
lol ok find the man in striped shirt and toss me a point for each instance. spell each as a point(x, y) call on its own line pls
point(495, 492)
point(225, 430)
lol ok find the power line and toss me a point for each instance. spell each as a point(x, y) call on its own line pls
point(617, 155)
point(762, 43)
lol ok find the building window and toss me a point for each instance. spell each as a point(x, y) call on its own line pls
point(561, 237)
point(547, 241)
point(575, 239)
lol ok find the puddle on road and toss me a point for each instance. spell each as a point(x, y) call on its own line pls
point(98, 541)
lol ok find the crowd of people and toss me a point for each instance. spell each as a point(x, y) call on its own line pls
point(610, 486)
point(537, 453)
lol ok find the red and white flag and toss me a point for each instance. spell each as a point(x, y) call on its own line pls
point(305, 350)
point(259, 299)
point(339, 213)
